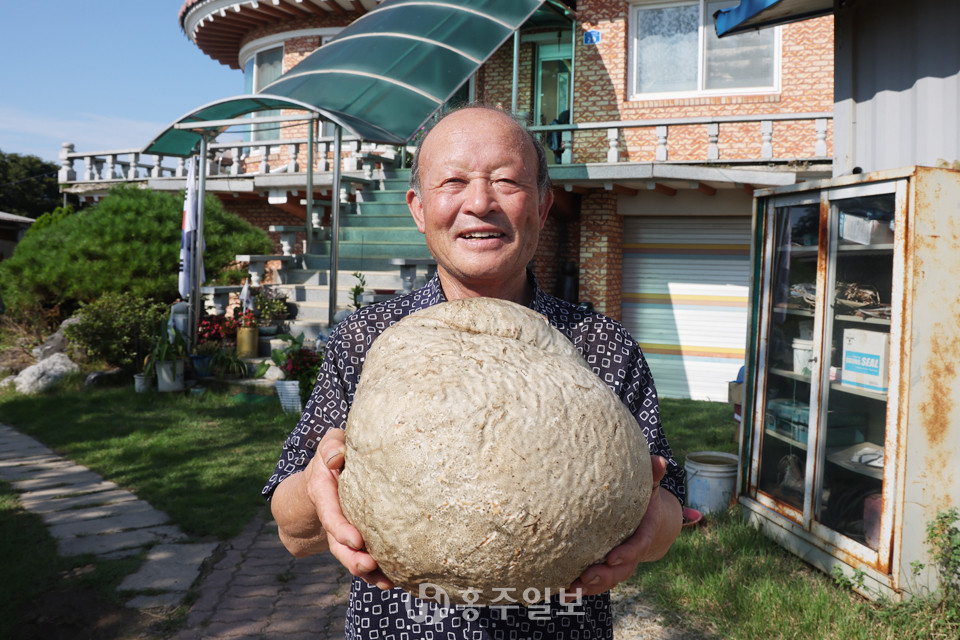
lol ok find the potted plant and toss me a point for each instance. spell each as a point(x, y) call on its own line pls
point(167, 357)
point(248, 334)
point(271, 309)
point(211, 332)
point(300, 366)
point(226, 364)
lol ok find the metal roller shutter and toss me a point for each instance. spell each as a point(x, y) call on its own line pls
point(685, 291)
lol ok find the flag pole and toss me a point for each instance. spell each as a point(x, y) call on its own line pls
point(195, 298)
point(335, 222)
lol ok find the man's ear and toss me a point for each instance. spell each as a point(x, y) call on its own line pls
point(416, 210)
point(544, 208)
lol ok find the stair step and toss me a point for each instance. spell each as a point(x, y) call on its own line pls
point(369, 235)
point(383, 195)
point(381, 208)
point(403, 219)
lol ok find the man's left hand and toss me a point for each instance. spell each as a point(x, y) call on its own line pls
point(658, 529)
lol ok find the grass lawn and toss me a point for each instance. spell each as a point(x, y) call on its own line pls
point(203, 459)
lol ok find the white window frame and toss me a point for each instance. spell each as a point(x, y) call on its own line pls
point(706, 22)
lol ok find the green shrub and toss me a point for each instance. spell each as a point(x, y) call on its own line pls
point(130, 242)
point(117, 328)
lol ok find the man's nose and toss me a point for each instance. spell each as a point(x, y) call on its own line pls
point(479, 198)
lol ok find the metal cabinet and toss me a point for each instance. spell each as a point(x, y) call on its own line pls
point(851, 435)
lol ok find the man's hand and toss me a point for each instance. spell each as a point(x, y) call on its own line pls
point(306, 507)
point(658, 529)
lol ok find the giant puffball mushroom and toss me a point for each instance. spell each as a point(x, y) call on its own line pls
point(485, 457)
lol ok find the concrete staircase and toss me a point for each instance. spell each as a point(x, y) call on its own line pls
point(373, 230)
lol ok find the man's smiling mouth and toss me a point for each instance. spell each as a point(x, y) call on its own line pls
point(481, 235)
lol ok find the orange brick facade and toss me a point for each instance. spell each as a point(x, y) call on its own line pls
point(591, 233)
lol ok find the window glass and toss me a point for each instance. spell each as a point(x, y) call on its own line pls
point(667, 48)
point(268, 67)
point(742, 61)
point(676, 50)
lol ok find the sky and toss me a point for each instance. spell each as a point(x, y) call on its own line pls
point(102, 74)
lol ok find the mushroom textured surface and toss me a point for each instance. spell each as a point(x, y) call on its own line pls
point(485, 457)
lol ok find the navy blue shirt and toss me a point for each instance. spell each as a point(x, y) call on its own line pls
point(396, 615)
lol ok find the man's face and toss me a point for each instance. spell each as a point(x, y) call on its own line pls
point(479, 208)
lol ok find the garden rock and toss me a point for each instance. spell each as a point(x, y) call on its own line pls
point(112, 378)
point(57, 343)
point(483, 454)
point(45, 374)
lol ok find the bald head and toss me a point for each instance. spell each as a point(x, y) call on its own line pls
point(528, 141)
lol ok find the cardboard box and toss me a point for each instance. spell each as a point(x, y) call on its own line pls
point(866, 357)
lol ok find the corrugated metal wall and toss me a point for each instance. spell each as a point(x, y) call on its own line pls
point(685, 290)
point(897, 84)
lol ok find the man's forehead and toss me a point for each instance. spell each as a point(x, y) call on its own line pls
point(466, 126)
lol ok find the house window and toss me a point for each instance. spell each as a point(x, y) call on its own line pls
point(675, 52)
point(261, 69)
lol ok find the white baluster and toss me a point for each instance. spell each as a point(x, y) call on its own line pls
point(133, 170)
point(321, 156)
point(181, 170)
point(111, 167)
point(264, 166)
point(613, 145)
point(292, 150)
point(766, 134)
point(90, 171)
point(157, 170)
point(661, 154)
point(67, 174)
point(820, 149)
point(713, 136)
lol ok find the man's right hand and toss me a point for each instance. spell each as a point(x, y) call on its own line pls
point(306, 506)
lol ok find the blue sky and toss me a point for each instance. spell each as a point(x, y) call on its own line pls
point(102, 74)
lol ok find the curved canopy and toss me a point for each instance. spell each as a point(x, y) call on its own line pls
point(384, 75)
point(750, 15)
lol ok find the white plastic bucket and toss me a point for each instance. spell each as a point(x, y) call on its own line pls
point(711, 480)
point(289, 392)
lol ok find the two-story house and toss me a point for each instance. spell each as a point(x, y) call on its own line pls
point(666, 132)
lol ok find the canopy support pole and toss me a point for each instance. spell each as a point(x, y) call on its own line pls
point(516, 71)
point(335, 222)
point(195, 302)
point(573, 64)
point(311, 143)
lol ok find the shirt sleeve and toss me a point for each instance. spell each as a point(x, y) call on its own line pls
point(640, 396)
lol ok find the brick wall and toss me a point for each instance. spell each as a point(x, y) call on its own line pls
point(602, 94)
point(601, 252)
point(262, 214)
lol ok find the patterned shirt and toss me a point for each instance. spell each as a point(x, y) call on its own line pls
point(394, 614)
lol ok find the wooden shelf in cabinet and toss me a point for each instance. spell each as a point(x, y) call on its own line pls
point(873, 395)
point(858, 319)
point(786, 373)
point(866, 249)
point(773, 433)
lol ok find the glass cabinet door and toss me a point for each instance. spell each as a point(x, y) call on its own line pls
point(790, 363)
point(859, 283)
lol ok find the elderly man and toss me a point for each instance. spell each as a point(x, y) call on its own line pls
point(480, 194)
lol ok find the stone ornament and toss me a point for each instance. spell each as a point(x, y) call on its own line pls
point(485, 458)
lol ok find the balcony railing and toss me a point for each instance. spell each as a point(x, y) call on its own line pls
point(688, 140)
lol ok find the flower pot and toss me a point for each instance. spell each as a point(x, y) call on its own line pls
point(170, 375)
point(201, 366)
point(248, 339)
point(140, 383)
point(289, 392)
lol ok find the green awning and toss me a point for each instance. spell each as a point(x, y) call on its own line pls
point(384, 75)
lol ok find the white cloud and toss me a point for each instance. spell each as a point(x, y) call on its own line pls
point(28, 133)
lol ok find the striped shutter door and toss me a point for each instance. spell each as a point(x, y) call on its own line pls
point(685, 291)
